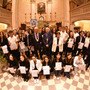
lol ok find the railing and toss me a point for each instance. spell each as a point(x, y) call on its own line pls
point(81, 11)
point(5, 16)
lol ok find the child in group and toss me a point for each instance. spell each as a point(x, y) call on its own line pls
point(68, 64)
point(24, 66)
point(58, 68)
point(47, 63)
point(78, 64)
point(35, 65)
point(12, 65)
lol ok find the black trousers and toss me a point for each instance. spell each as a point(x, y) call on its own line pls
point(67, 74)
point(47, 76)
point(58, 72)
point(25, 76)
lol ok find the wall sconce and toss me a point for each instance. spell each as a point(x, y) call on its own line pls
point(30, 16)
point(25, 17)
point(55, 16)
point(35, 15)
point(50, 16)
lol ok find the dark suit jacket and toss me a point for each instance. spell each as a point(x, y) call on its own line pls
point(36, 44)
point(50, 39)
point(78, 40)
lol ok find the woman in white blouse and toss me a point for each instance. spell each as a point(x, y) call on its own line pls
point(35, 64)
point(57, 45)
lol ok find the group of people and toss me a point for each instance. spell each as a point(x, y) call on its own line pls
point(57, 50)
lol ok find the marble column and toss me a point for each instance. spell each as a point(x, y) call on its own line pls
point(66, 13)
point(14, 14)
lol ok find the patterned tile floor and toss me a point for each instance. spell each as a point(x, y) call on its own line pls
point(82, 82)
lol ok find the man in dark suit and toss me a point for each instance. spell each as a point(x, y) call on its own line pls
point(47, 42)
point(36, 42)
point(80, 42)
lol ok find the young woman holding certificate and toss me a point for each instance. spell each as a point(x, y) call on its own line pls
point(24, 67)
point(12, 65)
point(46, 67)
point(68, 65)
point(35, 68)
point(58, 63)
point(70, 43)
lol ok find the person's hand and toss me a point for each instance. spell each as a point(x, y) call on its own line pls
point(26, 69)
point(55, 68)
point(71, 67)
point(60, 68)
point(30, 72)
point(47, 46)
point(37, 72)
point(79, 67)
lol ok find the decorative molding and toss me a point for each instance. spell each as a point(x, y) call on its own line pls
point(81, 12)
point(5, 16)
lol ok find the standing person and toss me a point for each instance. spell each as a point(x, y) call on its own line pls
point(57, 71)
point(68, 61)
point(24, 63)
point(47, 41)
point(86, 44)
point(70, 43)
point(80, 43)
point(57, 45)
point(78, 64)
point(13, 44)
point(22, 46)
point(47, 63)
point(4, 42)
point(88, 57)
point(36, 42)
point(35, 64)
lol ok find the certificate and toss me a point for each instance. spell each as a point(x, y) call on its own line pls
point(12, 70)
point(22, 70)
point(70, 44)
point(82, 67)
point(13, 46)
point(4, 49)
point(46, 70)
point(22, 46)
point(34, 73)
point(58, 65)
point(67, 68)
point(80, 46)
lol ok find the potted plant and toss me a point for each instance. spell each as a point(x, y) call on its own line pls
point(3, 62)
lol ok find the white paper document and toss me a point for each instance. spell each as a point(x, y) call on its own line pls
point(11, 69)
point(58, 65)
point(67, 68)
point(34, 73)
point(5, 50)
point(46, 70)
point(22, 69)
point(80, 46)
point(70, 44)
point(22, 45)
point(13, 46)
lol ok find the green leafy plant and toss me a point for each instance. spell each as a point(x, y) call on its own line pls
point(3, 60)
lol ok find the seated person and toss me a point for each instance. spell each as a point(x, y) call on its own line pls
point(35, 64)
point(78, 63)
point(13, 65)
point(57, 68)
point(47, 63)
point(24, 67)
point(68, 65)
